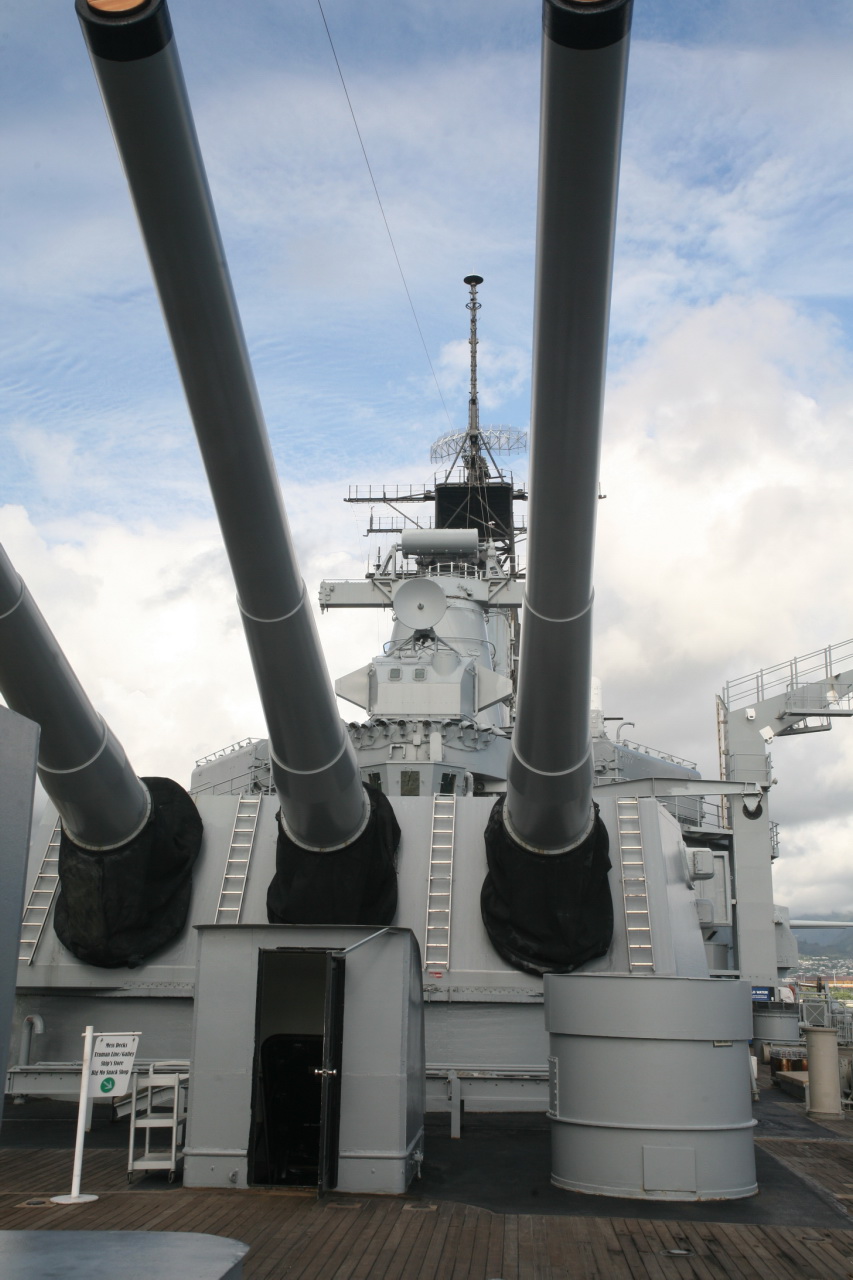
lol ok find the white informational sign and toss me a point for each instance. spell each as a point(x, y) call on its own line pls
point(112, 1063)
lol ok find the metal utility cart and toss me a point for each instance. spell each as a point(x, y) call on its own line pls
point(158, 1101)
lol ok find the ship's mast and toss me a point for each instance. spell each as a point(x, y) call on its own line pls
point(472, 491)
point(475, 463)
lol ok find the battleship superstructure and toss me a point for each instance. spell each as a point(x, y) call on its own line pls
point(474, 895)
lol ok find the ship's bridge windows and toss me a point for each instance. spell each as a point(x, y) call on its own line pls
point(395, 673)
point(410, 782)
point(420, 673)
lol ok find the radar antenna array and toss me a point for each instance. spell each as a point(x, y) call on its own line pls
point(497, 439)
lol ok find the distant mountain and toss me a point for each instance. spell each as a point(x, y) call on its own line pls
point(825, 942)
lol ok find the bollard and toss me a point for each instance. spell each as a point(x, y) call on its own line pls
point(824, 1081)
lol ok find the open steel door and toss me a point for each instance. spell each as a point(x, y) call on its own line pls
point(330, 1105)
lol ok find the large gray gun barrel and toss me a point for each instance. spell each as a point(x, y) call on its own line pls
point(323, 803)
point(82, 765)
point(128, 844)
point(584, 65)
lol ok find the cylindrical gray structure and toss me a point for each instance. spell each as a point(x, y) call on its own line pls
point(584, 66)
point(434, 542)
point(775, 1023)
point(313, 763)
point(824, 1080)
point(650, 1086)
point(82, 765)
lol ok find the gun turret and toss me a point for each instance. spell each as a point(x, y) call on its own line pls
point(324, 806)
point(548, 808)
point(82, 765)
point(127, 844)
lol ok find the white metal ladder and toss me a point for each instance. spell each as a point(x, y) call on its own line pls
point(158, 1102)
point(41, 898)
point(440, 883)
point(237, 865)
point(637, 922)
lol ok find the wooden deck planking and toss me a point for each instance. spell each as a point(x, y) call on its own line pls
point(365, 1265)
point(671, 1244)
point(635, 1249)
point(623, 1255)
point(407, 1262)
point(824, 1162)
point(293, 1236)
point(705, 1252)
point(721, 1250)
point(803, 1248)
point(315, 1242)
point(273, 1241)
point(428, 1246)
point(327, 1244)
point(397, 1243)
point(358, 1226)
point(510, 1246)
point(647, 1253)
point(497, 1246)
point(454, 1263)
point(580, 1246)
point(746, 1253)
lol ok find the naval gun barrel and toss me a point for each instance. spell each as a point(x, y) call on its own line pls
point(82, 765)
point(127, 844)
point(323, 803)
point(584, 64)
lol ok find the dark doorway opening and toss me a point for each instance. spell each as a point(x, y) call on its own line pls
point(296, 1094)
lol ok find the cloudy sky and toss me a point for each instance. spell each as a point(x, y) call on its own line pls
point(723, 540)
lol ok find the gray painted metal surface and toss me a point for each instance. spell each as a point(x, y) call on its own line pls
point(82, 764)
point(549, 781)
point(650, 1086)
point(106, 1255)
point(382, 1077)
point(746, 732)
point(777, 1023)
point(479, 1012)
point(440, 722)
point(18, 754)
point(317, 779)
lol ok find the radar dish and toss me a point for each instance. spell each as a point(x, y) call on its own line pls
point(420, 603)
point(497, 439)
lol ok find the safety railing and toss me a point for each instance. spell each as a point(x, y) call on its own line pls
point(657, 755)
point(819, 665)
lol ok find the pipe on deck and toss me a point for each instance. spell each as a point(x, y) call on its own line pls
point(82, 765)
point(314, 767)
point(584, 65)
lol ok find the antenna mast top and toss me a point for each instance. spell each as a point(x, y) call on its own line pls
point(473, 402)
point(473, 457)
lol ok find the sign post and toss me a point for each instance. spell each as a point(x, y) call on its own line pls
point(107, 1064)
